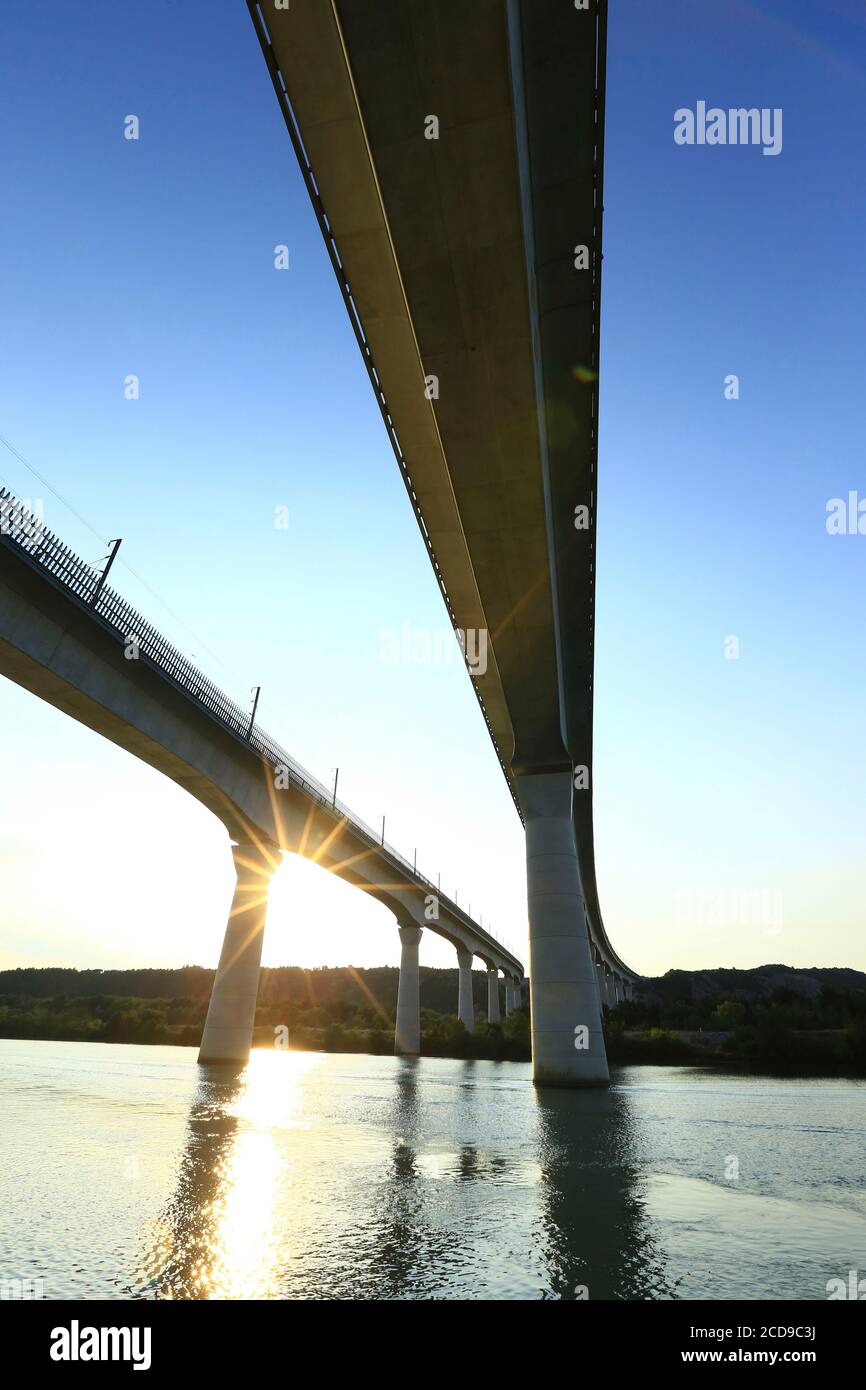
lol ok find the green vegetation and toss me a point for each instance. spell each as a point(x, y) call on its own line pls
point(784, 1031)
point(352, 1010)
point(330, 1010)
point(102, 1018)
point(442, 1035)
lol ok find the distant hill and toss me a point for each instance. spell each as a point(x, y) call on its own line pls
point(759, 983)
point(328, 988)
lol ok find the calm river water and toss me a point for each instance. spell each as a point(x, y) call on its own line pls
point(126, 1172)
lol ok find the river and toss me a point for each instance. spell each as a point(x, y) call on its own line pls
point(127, 1172)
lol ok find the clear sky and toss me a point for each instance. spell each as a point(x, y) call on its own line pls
point(717, 780)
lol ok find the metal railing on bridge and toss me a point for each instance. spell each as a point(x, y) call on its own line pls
point(28, 534)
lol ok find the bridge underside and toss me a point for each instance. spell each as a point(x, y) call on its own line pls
point(58, 647)
point(453, 155)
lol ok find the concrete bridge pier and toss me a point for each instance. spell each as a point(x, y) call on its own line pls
point(407, 1033)
point(509, 996)
point(228, 1029)
point(493, 1015)
point(465, 1004)
point(564, 990)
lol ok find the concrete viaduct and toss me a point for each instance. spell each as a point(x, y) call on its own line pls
point(453, 154)
point(79, 646)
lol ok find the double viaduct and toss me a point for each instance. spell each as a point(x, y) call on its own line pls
point(453, 155)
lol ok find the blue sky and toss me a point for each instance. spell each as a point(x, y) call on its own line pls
point(715, 778)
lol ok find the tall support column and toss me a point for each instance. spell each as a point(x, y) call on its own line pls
point(567, 1041)
point(616, 989)
point(465, 1004)
point(228, 1029)
point(492, 995)
point(508, 995)
point(407, 1033)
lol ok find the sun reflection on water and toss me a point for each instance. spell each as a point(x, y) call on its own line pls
point(220, 1237)
point(271, 1092)
point(243, 1257)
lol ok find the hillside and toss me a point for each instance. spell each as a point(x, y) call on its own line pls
point(759, 983)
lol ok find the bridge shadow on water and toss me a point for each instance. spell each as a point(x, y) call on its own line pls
point(183, 1248)
point(598, 1240)
point(457, 1181)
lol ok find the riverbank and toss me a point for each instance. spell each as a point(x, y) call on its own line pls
point(165, 1022)
point(179, 1023)
point(349, 1010)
